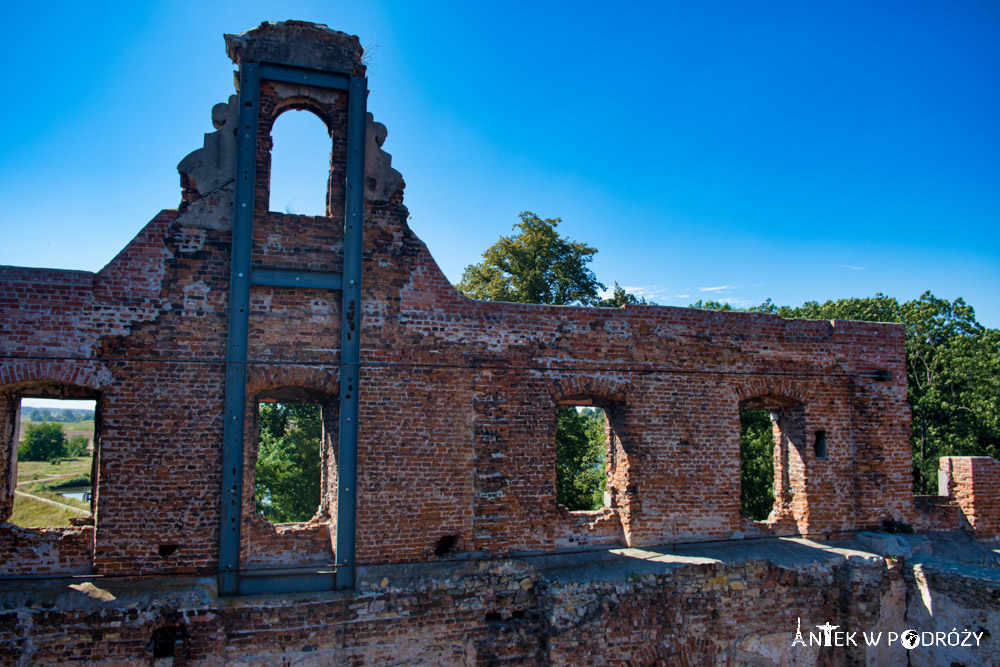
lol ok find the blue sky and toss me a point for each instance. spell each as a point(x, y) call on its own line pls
point(728, 150)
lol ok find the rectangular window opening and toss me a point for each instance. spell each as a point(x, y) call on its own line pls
point(757, 444)
point(56, 461)
point(288, 470)
point(820, 445)
point(582, 436)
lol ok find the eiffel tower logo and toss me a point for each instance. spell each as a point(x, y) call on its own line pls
point(798, 635)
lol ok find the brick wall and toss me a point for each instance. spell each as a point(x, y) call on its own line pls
point(974, 483)
point(466, 613)
point(936, 513)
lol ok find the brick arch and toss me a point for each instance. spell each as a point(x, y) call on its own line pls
point(777, 387)
point(86, 374)
point(608, 387)
point(328, 106)
point(322, 111)
point(322, 380)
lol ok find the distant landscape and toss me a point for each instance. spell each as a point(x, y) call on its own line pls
point(53, 491)
point(63, 415)
point(75, 422)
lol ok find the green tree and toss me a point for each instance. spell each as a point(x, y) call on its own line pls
point(619, 297)
point(535, 265)
point(756, 464)
point(42, 442)
point(77, 446)
point(712, 305)
point(288, 461)
point(953, 378)
point(580, 450)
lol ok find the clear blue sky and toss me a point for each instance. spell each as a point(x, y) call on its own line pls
point(735, 150)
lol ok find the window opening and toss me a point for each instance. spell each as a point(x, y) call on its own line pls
point(167, 644)
point(772, 438)
point(757, 445)
point(55, 461)
point(582, 435)
point(819, 447)
point(300, 164)
point(288, 468)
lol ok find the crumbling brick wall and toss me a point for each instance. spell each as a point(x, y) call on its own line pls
point(974, 483)
point(736, 611)
point(458, 398)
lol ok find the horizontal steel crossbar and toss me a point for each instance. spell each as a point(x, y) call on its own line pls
point(305, 76)
point(292, 581)
point(296, 278)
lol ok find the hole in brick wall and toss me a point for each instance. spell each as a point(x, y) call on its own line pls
point(165, 642)
point(517, 613)
point(582, 436)
point(493, 617)
point(445, 545)
point(772, 456)
point(756, 464)
point(166, 550)
point(300, 163)
point(819, 445)
point(288, 468)
point(55, 449)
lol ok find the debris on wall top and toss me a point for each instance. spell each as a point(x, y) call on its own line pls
point(300, 43)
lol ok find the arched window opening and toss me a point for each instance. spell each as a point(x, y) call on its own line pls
point(583, 455)
point(300, 164)
point(772, 467)
point(55, 460)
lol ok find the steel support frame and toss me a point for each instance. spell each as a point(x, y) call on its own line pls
point(242, 276)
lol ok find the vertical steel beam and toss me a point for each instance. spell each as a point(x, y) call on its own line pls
point(350, 334)
point(239, 318)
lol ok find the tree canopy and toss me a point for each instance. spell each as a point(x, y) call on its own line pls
point(288, 461)
point(619, 297)
point(42, 442)
point(580, 451)
point(535, 265)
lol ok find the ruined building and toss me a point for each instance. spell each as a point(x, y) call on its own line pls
point(438, 538)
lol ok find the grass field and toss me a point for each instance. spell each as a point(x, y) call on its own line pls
point(28, 471)
point(34, 477)
point(30, 513)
